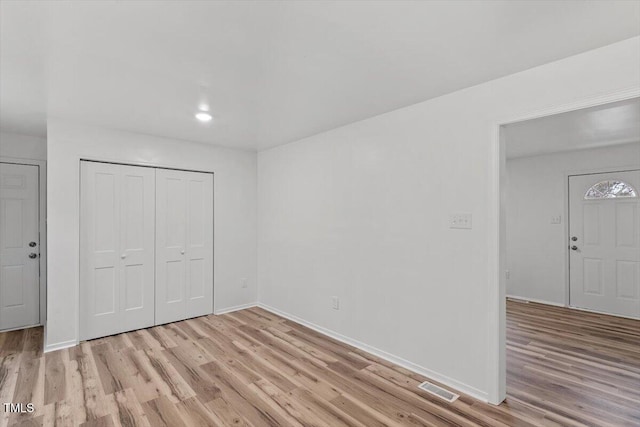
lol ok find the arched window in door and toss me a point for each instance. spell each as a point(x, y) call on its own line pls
point(610, 189)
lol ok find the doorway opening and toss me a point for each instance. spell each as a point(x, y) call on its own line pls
point(570, 261)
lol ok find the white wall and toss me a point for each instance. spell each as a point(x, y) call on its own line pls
point(536, 248)
point(361, 212)
point(234, 212)
point(22, 146)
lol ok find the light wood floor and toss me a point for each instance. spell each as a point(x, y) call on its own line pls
point(254, 368)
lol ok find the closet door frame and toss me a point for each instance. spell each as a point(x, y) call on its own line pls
point(156, 166)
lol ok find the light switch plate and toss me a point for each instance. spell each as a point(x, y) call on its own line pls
point(460, 220)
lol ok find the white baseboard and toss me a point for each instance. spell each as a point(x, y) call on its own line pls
point(20, 328)
point(539, 301)
point(71, 343)
point(588, 310)
point(450, 382)
point(60, 345)
point(235, 308)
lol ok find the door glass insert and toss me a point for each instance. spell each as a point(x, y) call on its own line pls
point(610, 189)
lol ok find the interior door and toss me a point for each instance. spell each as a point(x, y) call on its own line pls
point(19, 246)
point(604, 270)
point(184, 245)
point(117, 267)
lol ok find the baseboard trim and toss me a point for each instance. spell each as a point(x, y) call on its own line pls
point(450, 382)
point(60, 345)
point(587, 310)
point(538, 301)
point(235, 308)
point(71, 343)
point(19, 328)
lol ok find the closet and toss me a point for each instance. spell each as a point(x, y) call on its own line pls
point(146, 247)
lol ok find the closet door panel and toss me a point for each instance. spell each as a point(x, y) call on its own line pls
point(99, 272)
point(117, 261)
point(170, 245)
point(184, 245)
point(199, 251)
point(137, 242)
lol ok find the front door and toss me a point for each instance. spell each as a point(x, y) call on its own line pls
point(19, 246)
point(604, 242)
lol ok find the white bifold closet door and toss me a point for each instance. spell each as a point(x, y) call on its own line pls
point(117, 229)
point(184, 245)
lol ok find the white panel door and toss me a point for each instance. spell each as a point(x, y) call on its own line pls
point(171, 223)
point(117, 247)
point(199, 244)
point(137, 247)
point(19, 246)
point(604, 270)
point(184, 245)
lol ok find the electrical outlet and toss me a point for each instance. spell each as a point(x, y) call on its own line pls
point(244, 282)
point(556, 219)
point(460, 220)
point(335, 303)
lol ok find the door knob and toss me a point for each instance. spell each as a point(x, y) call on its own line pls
point(123, 256)
point(574, 248)
point(32, 244)
point(182, 251)
point(33, 256)
point(574, 239)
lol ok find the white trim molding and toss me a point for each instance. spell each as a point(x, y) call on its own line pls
point(235, 308)
point(537, 301)
point(432, 375)
point(60, 346)
point(588, 310)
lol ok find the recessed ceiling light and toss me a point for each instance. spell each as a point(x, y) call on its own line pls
point(204, 116)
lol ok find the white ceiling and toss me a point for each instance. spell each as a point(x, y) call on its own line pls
point(601, 126)
point(272, 72)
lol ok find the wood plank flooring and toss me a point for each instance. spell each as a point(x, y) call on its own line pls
point(252, 368)
point(584, 368)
